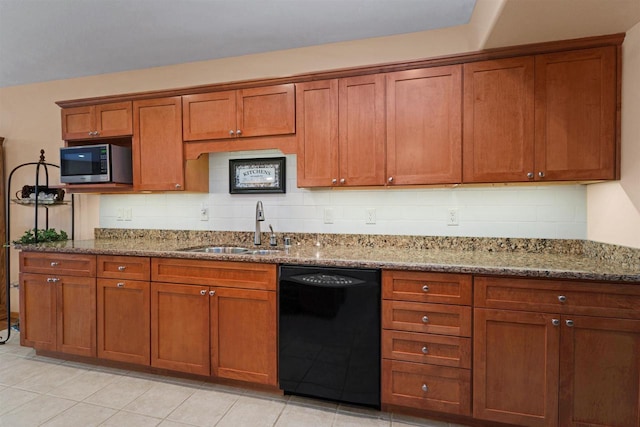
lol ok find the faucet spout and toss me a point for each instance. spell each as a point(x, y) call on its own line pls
point(259, 218)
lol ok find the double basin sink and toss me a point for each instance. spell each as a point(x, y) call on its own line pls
point(234, 250)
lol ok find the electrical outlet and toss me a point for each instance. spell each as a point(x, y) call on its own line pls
point(452, 217)
point(127, 214)
point(370, 216)
point(328, 216)
point(204, 213)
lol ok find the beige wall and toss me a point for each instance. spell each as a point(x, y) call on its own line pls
point(613, 209)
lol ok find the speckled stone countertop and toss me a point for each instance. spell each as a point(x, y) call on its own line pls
point(560, 259)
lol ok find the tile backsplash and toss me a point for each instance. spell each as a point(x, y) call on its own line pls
point(543, 211)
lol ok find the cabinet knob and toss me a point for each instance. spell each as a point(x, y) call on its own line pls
point(424, 387)
point(425, 288)
point(203, 292)
point(555, 322)
point(425, 319)
point(569, 323)
point(96, 133)
point(122, 267)
point(342, 181)
point(120, 284)
point(425, 350)
point(238, 132)
point(530, 175)
point(334, 181)
point(231, 132)
point(541, 174)
point(90, 133)
point(390, 179)
point(54, 263)
point(562, 298)
point(212, 293)
point(52, 279)
point(178, 186)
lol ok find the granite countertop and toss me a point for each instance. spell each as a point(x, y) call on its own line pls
point(543, 264)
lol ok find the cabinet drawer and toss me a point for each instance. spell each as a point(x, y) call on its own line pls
point(124, 267)
point(430, 318)
point(428, 387)
point(214, 273)
point(58, 264)
point(427, 348)
point(558, 296)
point(426, 287)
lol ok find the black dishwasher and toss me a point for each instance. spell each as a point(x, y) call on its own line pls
point(329, 333)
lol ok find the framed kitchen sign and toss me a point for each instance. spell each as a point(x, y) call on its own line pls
point(265, 175)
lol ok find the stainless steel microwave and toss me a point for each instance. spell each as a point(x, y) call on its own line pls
point(102, 163)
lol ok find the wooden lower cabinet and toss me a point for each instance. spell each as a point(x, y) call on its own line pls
point(123, 311)
point(515, 369)
point(243, 335)
point(224, 331)
point(424, 386)
point(577, 367)
point(599, 372)
point(57, 313)
point(180, 328)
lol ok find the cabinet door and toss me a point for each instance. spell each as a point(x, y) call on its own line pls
point(599, 372)
point(243, 335)
point(576, 114)
point(114, 119)
point(76, 315)
point(180, 328)
point(361, 133)
point(317, 121)
point(158, 158)
point(515, 367)
point(209, 116)
point(498, 140)
point(78, 122)
point(424, 126)
point(268, 110)
point(124, 330)
point(37, 311)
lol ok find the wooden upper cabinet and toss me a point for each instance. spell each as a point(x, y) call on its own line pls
point(260, 111)
point(97, 121)
point(575, 115)
point(498, 141)
point(317, 133)
point(424, 126)
point(209, 116)
point(361, 130)
point(341, 132)
point(269, 110)
point(158, 160)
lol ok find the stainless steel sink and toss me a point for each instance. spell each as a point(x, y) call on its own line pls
point(220, 250)
point(234, 250)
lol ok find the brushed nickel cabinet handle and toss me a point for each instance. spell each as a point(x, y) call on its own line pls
point(122, 267)
point(212, 293)
point(562, 298)
point(203, 292)
point(120, 284)
point(425, 388)
point(555, 322)
point(530, 175)
point(569, 323)
point(425, 319)
point(54, 263)
point(425, 288)
point(425, 350)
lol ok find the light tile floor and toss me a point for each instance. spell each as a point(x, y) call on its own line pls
point(40, 391)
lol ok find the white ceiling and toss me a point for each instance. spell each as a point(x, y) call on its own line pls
point(43, 40)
